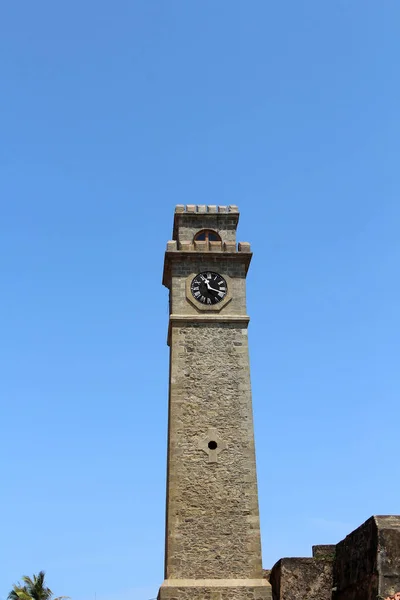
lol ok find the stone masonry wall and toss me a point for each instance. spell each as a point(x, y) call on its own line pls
point(221, 219)
point(184, 269)
point(225, 227)
point(355, 572)
point(389, 556)
point(304, 578)
point(367, 563)
point(363, 566)
point(212, 519)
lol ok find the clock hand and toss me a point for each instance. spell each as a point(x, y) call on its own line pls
point(213, 290)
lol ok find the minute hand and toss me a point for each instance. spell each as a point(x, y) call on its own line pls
point(213, 290)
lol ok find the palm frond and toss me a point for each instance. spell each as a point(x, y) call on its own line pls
point(29, 583)
point(34, 589)
point(19, 593)
point(24, 595)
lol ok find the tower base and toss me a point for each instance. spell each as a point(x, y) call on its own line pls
point(215, 589)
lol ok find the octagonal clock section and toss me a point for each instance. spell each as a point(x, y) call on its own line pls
point(208, 290)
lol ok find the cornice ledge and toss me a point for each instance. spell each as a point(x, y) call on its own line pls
point(209, 317)
point(215, 583)
point(178, 254)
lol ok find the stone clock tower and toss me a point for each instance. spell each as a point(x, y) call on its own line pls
point(213, 549)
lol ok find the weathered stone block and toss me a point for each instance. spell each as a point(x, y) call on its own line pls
point(179, 208)
point(201, 208)
point(190, 208)
point(212, 208)
point(302, 579)
point(230, 246)
point(201, 246)
point(185, 246)
point(172, 245)
point(244, 247)
point(215, 246)
point(324, 551)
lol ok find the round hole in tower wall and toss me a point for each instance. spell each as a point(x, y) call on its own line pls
point(212, 445)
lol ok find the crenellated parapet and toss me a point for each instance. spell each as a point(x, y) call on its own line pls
point(211, 246)
point(206, 228)
point(202, 209)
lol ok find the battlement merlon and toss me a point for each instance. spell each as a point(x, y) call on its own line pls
point(192, 218)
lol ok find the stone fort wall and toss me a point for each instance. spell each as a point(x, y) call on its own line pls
point(363, 566)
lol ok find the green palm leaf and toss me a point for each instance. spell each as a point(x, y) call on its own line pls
point(34, 589)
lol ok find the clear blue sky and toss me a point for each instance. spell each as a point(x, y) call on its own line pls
point(112, 113)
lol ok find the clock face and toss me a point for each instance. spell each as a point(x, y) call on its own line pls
point(209, 288)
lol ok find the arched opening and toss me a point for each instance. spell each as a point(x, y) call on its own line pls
point(207, 235)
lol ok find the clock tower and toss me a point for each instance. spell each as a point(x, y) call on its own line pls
point(213, 549)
